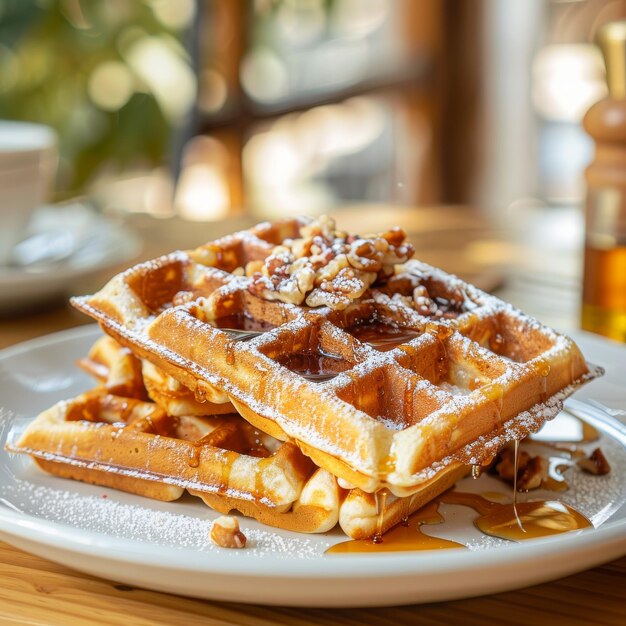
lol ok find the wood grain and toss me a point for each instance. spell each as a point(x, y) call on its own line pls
point(38, 592)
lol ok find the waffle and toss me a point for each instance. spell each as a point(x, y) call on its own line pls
point(463, 374)
point(116, 368)
point(134, 446)
point(121, 373)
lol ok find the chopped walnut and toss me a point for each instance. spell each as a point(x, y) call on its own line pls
point(533, 474)
point(532, 471)
point(327, 267)
point(595, 464)
point(226, 534)
point(338, 292)
point(505, 463)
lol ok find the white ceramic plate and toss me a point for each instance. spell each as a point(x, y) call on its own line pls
point(99, 243)
point(165, 546)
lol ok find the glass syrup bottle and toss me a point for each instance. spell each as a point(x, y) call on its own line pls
point(604, 278)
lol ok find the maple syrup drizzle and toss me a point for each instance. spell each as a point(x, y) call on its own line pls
point(316, 366)
point(515, 472)
point(494, 393)
point(402, 538)
point(193, 456)
point(542, 367)
point(442, 369)
point(382, 337)
point(242, 321)
point(406, 507)
point(563, 435)
point(381, 501)
point(408, 402)
point(149, 425)
point(514, 521)
point(380, 393)
point(230, 353)
point(199, 394)
point(528, 520)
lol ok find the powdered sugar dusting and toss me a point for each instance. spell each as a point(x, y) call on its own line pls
point(106, 515)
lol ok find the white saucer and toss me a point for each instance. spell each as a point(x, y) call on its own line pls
point(165, 545)
point(100, 243)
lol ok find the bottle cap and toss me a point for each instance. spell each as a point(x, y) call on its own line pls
point(612, 41)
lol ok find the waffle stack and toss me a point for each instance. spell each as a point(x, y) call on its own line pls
point(292, 371)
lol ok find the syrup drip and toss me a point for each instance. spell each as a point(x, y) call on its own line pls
point(316, 366)
point(477, 470)
point(199, 394)
point(441, 366)
point(382, 337)
point(381, 500)
point(149, 425)
point(193, 457)
point(258, 482)
point(406, 506)
point(543, 369)
point(520, 521)
point(515, 472)
point(226, 469)
point(230, 353)
point(494, 393)
point(408, 402)
point(514, 521)
point(380, 392)
point(402, 538)
point(555, 480)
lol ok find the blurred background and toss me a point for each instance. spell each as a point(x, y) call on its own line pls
point(213, 109)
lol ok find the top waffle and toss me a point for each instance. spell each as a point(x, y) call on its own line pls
point(383, 370)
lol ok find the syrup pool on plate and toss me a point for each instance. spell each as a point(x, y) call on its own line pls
point(405, 537)
point(520, 521)
point(513, 521)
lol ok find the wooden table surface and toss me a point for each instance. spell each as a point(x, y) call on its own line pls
point(36, 591)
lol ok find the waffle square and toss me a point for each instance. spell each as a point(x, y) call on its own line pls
point(419, 371)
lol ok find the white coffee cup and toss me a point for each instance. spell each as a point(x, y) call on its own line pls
point(28, 161)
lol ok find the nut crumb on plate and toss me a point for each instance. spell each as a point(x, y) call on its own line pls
point(596, 463)
point(225, 533)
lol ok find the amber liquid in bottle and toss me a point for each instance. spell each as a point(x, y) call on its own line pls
point(604, 291)
point(604, 282)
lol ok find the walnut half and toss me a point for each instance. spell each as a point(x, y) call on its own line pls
point(225, 533)
point(595, 464)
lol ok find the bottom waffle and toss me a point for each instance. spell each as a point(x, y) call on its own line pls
point(134, 446)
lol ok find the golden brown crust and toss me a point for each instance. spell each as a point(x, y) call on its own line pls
point(137, 440)
point(146, 488)
point(476, 375)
